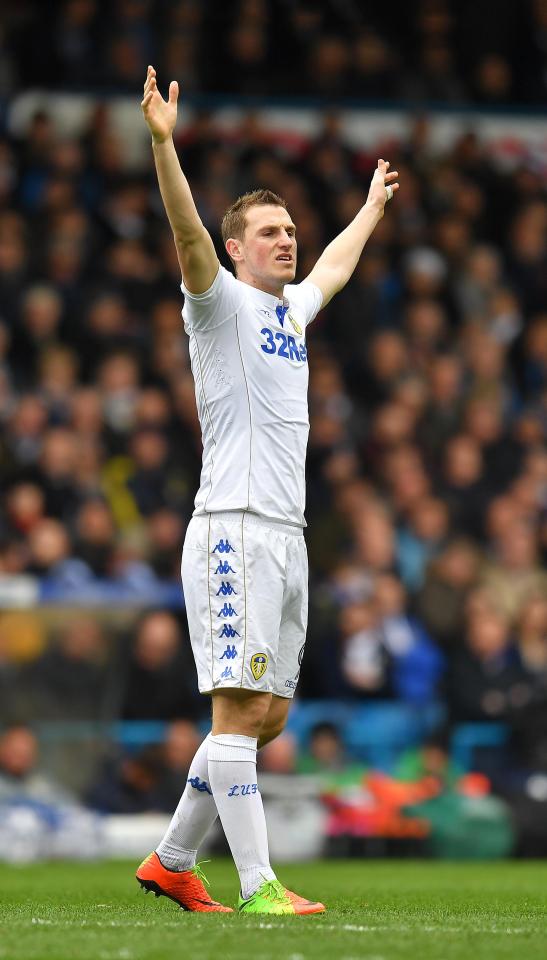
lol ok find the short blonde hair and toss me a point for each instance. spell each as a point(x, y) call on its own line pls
point(234, 220)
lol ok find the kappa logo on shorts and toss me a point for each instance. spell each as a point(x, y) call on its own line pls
point(226, 590)
point(228, 631)
point(227, 611)
point(259, 665)
point(223, 546)
point(224, 567)
point(227, 674)
point(230, 653)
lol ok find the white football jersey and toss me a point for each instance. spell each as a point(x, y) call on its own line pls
point(249, 361)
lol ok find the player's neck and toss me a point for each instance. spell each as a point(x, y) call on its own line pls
point(274, 289)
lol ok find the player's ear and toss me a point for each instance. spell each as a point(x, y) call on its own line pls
point(233, 249)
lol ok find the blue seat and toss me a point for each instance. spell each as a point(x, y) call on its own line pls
point(375, 733)
point(139, 733)
point(304, 716)
point(379, 732)
point(469, 738)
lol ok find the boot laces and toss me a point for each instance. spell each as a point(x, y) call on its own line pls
point(274, 890)
point(199, 874)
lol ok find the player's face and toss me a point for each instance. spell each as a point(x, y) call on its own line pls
point(268, 247)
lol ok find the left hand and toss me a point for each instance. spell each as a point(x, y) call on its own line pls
point(377, 195)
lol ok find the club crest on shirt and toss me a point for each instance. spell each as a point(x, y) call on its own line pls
point(259, 665)
point(296, 327)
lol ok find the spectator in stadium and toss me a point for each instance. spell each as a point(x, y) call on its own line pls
point(514, 574)
point(165, 530)
point(127, 783)
point(325, 750)
point(70, 681)
point(464, 489)
point(364, 658)
point(486, 679)
point(532, 634)
point(25, 504)
point(440, 602)
point(55, 470)
point(20, 776)
point(148, 780)
point(420, 539)
point(95, 536)
point(50, 555)
point(157, 680)
point(417, 666)
point(182, 738)
point(279, 756)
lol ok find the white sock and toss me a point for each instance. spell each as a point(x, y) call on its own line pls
point(232, 775)
point(193, 817)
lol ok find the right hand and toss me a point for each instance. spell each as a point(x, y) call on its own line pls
point(160, 115)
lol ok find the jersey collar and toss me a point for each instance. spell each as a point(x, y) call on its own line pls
point(265, 299)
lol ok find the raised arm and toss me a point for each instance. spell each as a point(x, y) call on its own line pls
point(197, 257)
point(339, 259)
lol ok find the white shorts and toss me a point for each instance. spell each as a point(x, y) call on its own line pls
point(245, 582)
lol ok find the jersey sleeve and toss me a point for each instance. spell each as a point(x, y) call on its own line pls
point(307, 297)
point(204, 311)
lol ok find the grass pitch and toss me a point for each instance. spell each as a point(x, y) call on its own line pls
point(378, 910)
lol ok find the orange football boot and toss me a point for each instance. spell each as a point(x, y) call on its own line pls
point(303, 906)
point(185, 888)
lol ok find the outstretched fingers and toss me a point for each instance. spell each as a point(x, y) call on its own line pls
point(389, 181)
point(388, 177)
point(149, 74)
point(383, 185)
point(151, 87)
point(148, 94)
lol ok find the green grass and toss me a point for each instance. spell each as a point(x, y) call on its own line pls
point(378, 910)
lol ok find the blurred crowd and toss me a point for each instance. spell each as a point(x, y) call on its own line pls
point(488, 52)
point(427, 467)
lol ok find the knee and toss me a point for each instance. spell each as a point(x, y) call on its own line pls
point(256, 717)
point(233, 713)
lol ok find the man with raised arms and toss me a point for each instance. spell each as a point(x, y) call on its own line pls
point(244, 563)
